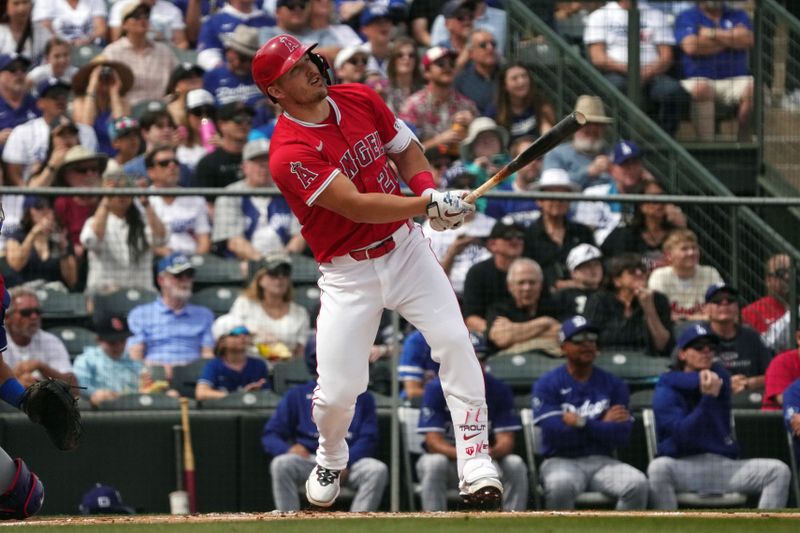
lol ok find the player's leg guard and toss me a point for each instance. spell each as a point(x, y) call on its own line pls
point(24, 496)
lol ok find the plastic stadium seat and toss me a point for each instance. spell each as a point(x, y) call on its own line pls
point(691, 499)
point(75, 338)
point(304, 269)
point(641, 399)
point(747, 400)
point(142, 402)
point(286, 374)
point(793, 455)
point(121, 301)
point(63, 308)
point(211, 270)
point(218, 299)
point(633, 367)
point(519, 371)
point(81, 55)
point(308, 297)
point(261, 399)
point(532, 438)
point(184, 377)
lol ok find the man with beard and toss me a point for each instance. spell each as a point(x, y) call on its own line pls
point(170, 331)
point(584, 157)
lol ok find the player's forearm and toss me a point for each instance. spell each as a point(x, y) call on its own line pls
point(379, 208)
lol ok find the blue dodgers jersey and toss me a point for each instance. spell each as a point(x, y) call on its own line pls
point(557, 392)
point(416, 363)
point(435, 416)
point(219, 376)
point(292, 423)
point(6, 302)
point(217, 25)
point(228, 87)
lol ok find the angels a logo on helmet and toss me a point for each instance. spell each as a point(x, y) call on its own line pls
point(303, 174)
point(291, 44)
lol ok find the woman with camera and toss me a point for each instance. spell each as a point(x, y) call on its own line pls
point(100, 89)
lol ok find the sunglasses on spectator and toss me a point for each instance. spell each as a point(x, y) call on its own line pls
point(239, 331)
point(723, 299)
point(139, 14)
point(357, 61)
point(86, 170)
point(164, 163)
point(779, 273)
point(203, 111)
point(163, 125)
point(280, 272)
point(586, 336)
point(464, 16)
point(241, 118)
point(635, 270)
point(186, 274)
point(513, 236)
point(295, 5)
point(445, 62)
point(487, 44)
point(702, 344)
point(30, 311)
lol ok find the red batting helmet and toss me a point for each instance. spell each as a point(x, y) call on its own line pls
point(275, 58)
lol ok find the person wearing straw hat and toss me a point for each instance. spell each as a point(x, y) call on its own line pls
point(584, 157)
point(28, 142)
point(100, 88)
point(151, 62)
point(224, 21)
point(232, 80)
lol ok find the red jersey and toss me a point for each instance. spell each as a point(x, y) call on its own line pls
point(760, 314)
point(354, 141)
point(781, 372)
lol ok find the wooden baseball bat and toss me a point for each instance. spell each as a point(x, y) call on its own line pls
point(188, 457)
point(552, 138)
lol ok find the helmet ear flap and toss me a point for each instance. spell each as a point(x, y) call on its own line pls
point(324, 67)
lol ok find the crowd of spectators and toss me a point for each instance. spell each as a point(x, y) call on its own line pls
point(137, 116)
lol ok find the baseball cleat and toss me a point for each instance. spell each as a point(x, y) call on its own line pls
point(322, 486)
point(485, 492)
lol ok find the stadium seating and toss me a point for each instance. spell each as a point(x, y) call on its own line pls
point(260, 399)
point(308, 296)
point(210, 270)
point(61, 308)
point(633, 367)
point(691, 499)
point(286, 374)
point(75, 338)
point(141, 402)
point(121, 301)
point(184, 377)
point(532, 438)
point(519, 371)
point(217, 298)
point(793, 464)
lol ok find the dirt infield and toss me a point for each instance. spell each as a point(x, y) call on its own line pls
point(314, 515)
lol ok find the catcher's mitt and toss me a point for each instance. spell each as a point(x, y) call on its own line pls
point(50, 403)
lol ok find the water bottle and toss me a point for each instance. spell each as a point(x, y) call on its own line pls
point(207, 132)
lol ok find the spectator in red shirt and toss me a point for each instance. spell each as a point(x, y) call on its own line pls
point(781, 372)
point(763, 312)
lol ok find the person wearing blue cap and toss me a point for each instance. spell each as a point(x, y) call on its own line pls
point(377, 28)
point(291, 438)
point(28, 142)
point(628, 177)
point(436, 468)
point(170, 331)
point(740, 349)
point(697, 451)
point(582, 412)
point(103, 499)
point(485, 15)
point(215, 26)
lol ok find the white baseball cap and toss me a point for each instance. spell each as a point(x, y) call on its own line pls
point(226, 324)
point(199, 97)
point(555, 177)
point(583, 253)
point(255, 148)
point(348, 52)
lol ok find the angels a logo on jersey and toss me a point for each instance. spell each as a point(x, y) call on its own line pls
point(289, 43)
point(303, 174)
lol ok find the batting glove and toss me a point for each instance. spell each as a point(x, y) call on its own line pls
point(447, 210)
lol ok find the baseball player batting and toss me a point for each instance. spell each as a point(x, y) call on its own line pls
point(329, 156)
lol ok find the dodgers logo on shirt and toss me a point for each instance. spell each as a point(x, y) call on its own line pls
point(303, 174)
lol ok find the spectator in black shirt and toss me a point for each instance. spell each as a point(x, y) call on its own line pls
point(522, 323)
point(222, 167)
point(628, 314)
point(585, 266)
point(549, 239)
point(486, 281)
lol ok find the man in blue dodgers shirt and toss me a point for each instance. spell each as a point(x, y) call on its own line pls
point(21, 491)
point(436, 469)
point(290, 437)
point(582, 413)
point(696, 448)
point(791, 414)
